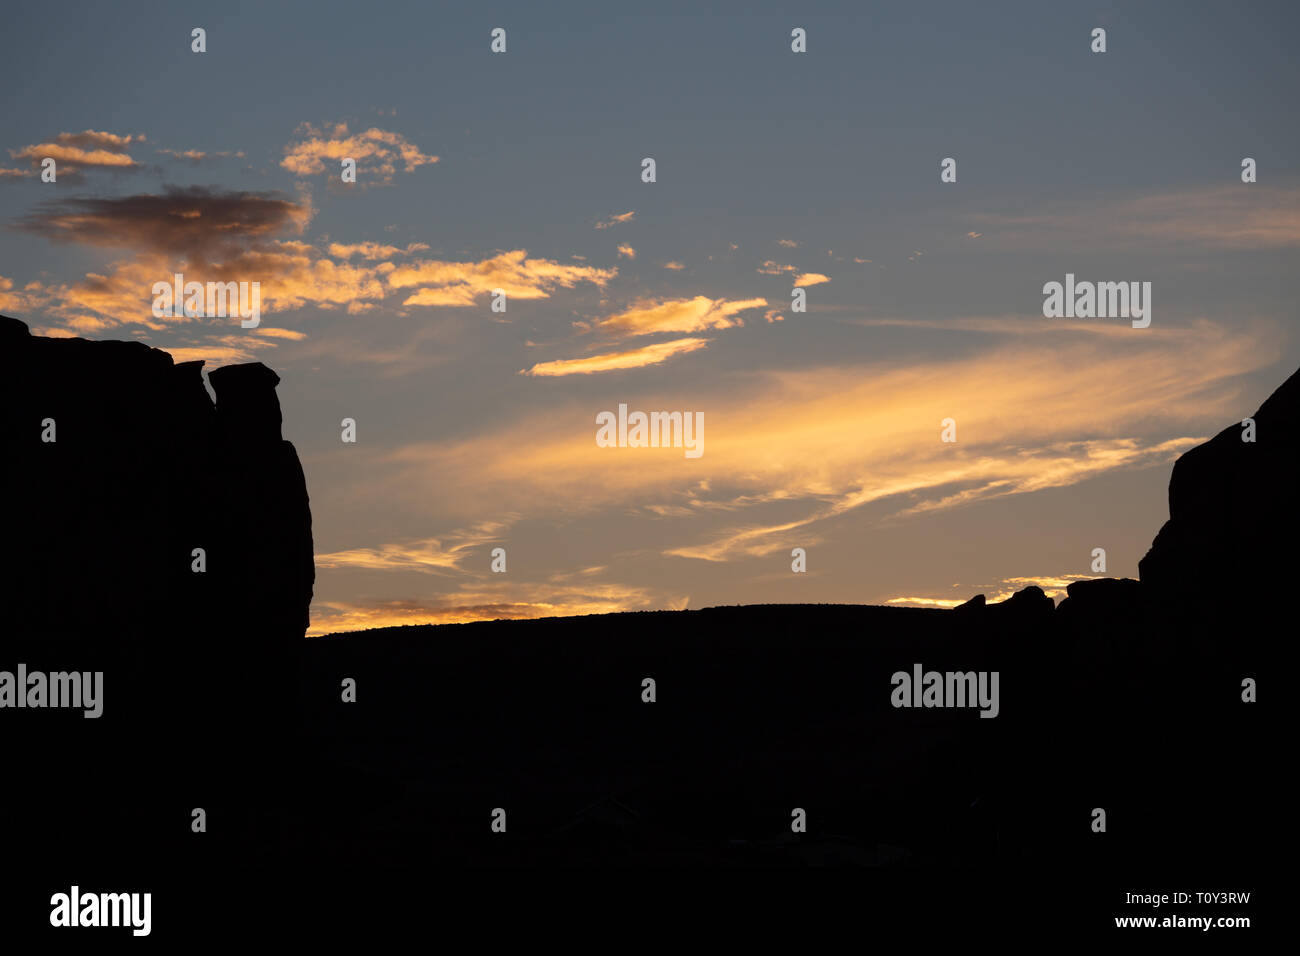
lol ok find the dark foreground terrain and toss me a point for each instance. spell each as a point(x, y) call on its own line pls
point(1127, 697)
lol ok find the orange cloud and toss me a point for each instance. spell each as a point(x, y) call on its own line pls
point(374, 250)
point(927, 602)
point(632, 358)
point(812, 444)
point(290, 275)
point(429, 554)
point(212, 354)
point(625, 250)
point(555, 598)
point(459, 283)
point(273, 333)
point(376, 151)
point(615, 220)
point(217, 236)
point(26, 300)
point(678, 315)
point(73, 152)
point(811, 278)
point(294, 274)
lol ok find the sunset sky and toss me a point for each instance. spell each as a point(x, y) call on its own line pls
point(522, 171)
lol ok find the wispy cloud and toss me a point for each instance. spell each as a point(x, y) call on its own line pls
point(831, 440)
point(194, 155)
point(561, 596)
point(374, 250)
point(89, 149)
point(611, 361)
point(460, 283)
point(428, 554)
point(615, 220)
point(1236, 216)
point(698, 314)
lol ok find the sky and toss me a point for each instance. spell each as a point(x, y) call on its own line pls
point(522, 171)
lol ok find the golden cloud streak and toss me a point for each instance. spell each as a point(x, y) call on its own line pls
point(678, 315)
point(631, 358)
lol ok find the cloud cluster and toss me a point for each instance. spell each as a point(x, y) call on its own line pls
point(444, 283)
point(651, 317)
point(214, 235)
point(374, 250)
point(377, 152)
point(75, 152)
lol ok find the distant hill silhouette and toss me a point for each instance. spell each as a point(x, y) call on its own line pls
point(1126, 697)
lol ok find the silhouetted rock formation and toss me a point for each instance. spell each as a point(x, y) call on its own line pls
point(117, 467)
point(1234, 519)
point(142, 470)
point(1030, 600)
point(267, 528)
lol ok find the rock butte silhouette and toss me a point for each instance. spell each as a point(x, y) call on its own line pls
point(1126, 696)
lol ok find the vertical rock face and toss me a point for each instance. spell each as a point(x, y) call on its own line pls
point(266, 496)
point(99, 561)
